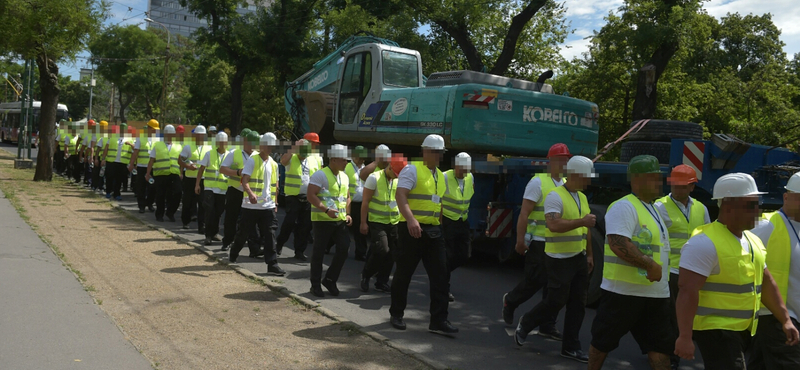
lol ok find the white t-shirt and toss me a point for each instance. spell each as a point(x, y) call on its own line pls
point(359, 184)
point(100, 143)
point(319, 179)
point(372, 181)
point(553, 204)
point(204, 162)
point(228, 161)
point(662, 211)
point(305, 174)
point(622, 219)
point(120, 149)
point(533, 193)
point(407, 179)
point(764, 230)
point(265, 198)
point(447, 185)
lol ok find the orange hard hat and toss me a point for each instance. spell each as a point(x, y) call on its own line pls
point(312, 137)
point(91, 123)
point(558, 150)
point(397, 163)
point(682, 175)
point(180, 129)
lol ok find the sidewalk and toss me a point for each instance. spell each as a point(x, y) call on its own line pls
point(48, 321)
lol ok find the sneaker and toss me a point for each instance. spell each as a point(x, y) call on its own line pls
point(118, 198)
point(224, 247)
point(185, 227)
point(108, 195)
point(398, 323)
point(141, 210)
point(551, 333)
point(451, 297)
point(207, 241)
point(201, 230)
point(520, 335)
point(257, 254)
point(171, 218)
point(151, 208)
point(444, 328)
point(160, 219)
point(383, 287)
point(576, 355)
point(216, 238)
point(365, 284)
point(508, 312)
point(316, 290)
point(331, 286)
point(301, 257)
point(275, 270)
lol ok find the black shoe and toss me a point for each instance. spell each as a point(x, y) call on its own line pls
point(207, 241)
point(301, 257)
point(551, 333)
point(398, 323)
point(576, 355)
point(508, 313)
point(443, 327)
point(141, 210)
point(171, 218)
point(520, 335)
point(151, 208)
point(316, 290)
point(201, 230)
point(275, 270)
point(361, 258)
point(160, 219)
point(185, 226)
point(216, 238)
point(224, 247)
point(194, 218)
point(383, 287)
point(258, 254)
point(331, 286)
point(365, 284)
point(450, 297)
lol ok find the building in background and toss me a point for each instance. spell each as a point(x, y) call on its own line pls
point(181, 21)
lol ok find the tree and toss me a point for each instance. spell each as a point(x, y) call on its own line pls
point(75, 95)
point(48, 31)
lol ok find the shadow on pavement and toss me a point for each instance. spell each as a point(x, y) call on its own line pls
point(195, 270)
point(177, 252)
point(255, 296)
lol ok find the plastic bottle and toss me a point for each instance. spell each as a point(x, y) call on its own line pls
point(103, 171)
point(152, 181)
point(646, 237)
point(134, 172)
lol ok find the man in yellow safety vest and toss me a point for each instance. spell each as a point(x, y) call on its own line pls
point(216, 185)
point(300, 163)
point(459, 187)
point(192, 153)
point(164, 168)
point(353, 172)
point(145, 196)
point(117, 156)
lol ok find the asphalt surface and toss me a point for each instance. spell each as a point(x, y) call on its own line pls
point(484, 340)
point(12, 148)
point(48, 320)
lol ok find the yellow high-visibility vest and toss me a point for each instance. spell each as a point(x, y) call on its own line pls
point(294, 173)
point(455, 203)
point(572, 241)
point(166, 162)
point(334, 197)
point(425, 199)
point(536, 223)
point(681, 227)
point(648, 240)
point(383, 204)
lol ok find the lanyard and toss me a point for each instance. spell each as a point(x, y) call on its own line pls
point(655, 216)
point(790, 224)
point(436, 183)
point(679, 208)
point(750, 245)
point(304, 165)
point(576, 201)
point(388, 184)
point(197, 150)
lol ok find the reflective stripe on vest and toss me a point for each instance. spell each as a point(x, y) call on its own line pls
point(166, 161)
point(420, 199)
point(383, 204)
point(648, 241)
point(212, 177)
point(334, 197)
point(455, 204)
point(196, 153)
point(730, 300)
point(536, 223)
point(73, 145)
point(125, 155)
point(144, 152)
point(681, 228)
point(256, 181)
point(572, 241)
point(294, 174)
point(355, 181)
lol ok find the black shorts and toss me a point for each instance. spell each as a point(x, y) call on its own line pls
point(647, 319)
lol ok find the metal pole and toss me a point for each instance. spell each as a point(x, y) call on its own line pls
point(91, 91)
point(29, 120)
point(23, 108)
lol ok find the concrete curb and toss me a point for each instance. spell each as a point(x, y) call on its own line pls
point(282, 290)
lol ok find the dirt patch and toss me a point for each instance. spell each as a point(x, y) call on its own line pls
point(181, 309)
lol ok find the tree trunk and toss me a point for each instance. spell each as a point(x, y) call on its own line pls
point(518, 24)
point(644, 107)
point(123, 105)
point(236, 99)
point(48, 82)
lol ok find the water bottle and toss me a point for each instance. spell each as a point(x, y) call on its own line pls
point(646, 237)
point(152, 181)
point(103, 171)
point(134, 172)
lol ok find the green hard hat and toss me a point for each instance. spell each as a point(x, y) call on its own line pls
point(252, 137)
point(123, 127)
point(245, 132)
point(642, 164)
point(360, 151)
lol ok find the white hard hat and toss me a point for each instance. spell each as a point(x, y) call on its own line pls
point(581, 165)
point(212, 128)
point(434, 142)
point(200, 129)
point(269, 139)
point(735, 185)
point(238, 138)
point(793, 186)
point(338, 151)
point(464, 160)
point(383, 152)
point(170, 129)
point(222, 137)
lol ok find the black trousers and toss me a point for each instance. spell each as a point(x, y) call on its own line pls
point(297, 220)
point(145, 193)
point(673, 318)
point(97, 180)
point(430, 249)
point(75, 167)
point(168, 192)
point(769, 350)
point(87, 171)
point(58, 160)
point(323, 232)
point(233, 207)
point(723, 349)
point(355, 229)
point(192, 203)
point(456, 237)
point(214, 206)
point(535, 278)
point(382, 243)
point(252, 218)
point(117, 173)
point(567, 282)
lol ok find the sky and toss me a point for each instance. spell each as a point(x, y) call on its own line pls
point(585, 17)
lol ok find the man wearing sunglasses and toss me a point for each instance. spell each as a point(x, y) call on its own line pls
point(724, 281)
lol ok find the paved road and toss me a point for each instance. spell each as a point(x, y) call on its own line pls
point(12, 148)
point(48, 320)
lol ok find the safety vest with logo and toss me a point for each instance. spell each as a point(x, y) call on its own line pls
point(779, 248)
point(114, 146)
point(144, 151)
point(237, 164)
point(681, 227)
point(536, 223)
point(166, 162)
point(212, 177)
point(455, 203)
point(196, 154)
point(334, 197)
point(294, 174)
point(383, 204)
point(425, 199)
point(731, 299)
point(648, 241)
point(572, 241)
point(355, 180)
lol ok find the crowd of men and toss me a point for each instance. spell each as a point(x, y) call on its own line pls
point(671, 277)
